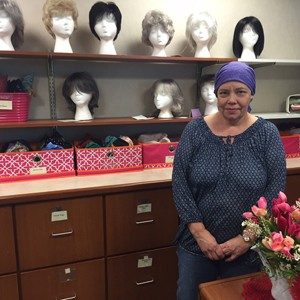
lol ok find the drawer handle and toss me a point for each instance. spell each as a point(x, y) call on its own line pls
point(144, 222)
point(68, 298)
point(53, 234)
point(144, 282)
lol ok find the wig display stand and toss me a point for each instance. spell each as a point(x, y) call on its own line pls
point(51, 87)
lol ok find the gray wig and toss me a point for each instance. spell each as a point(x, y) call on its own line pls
point(154, 18)
point(16, 16)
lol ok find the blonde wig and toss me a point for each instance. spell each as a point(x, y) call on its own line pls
point(59, 8)
point(194, 20)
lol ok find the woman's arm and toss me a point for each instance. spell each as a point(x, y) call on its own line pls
point(275, 164)
point(182, 194)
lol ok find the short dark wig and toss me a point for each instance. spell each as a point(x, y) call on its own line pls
point(101, 9)
point(82, 82)
point(237, 47)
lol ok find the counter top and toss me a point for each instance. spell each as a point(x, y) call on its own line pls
point(17, 191)
point(85, 185)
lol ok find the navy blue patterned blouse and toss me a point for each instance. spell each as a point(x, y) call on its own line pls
point(216, 179)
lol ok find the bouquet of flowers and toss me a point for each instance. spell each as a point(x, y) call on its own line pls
point(277, 236)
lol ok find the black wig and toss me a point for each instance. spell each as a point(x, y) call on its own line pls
point(101, 9)
point(257, 26)
point(82, 82)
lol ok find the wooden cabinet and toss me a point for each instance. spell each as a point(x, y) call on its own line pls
point(7, 244)
point(140, 220)
point(58, 232)
point(149, 275)
point(85, 280)
point(292, 189)
point(9, 287)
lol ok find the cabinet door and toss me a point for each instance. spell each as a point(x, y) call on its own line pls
point(57, 232)
point(7, 244)
point(145, 275)
point(293, 188)
point(84, 280)
point(9, 287)
point(140, 220)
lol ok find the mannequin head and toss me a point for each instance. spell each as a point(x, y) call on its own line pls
point(80, 89)
point(105, 15)
point(60, 17)
point(207, 91)
point(11, 15)
point(157, 29)
point(207, 87)
point(248, 32)
point(201, 28)
point(168, 97)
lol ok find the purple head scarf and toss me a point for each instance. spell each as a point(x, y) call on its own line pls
point(236, 71)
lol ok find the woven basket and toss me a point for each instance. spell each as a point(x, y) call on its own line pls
point(14, 107)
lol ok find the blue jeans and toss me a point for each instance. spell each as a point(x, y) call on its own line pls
point(194, 269)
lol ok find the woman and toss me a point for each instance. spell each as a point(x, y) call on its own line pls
point(158, 31)
point(201, 33)
point(223, 165)
point(12, 25)
point(60, 19)
point(105, 23)
point(248, 38)
point(168, 98)
point(81, 93)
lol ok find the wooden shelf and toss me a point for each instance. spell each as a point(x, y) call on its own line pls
point(278, 115)
point(113, 58)
point(94, 122)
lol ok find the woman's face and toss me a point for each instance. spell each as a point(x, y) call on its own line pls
point(7, 28)
point(207, 93)
point(233, 100)
point(162, 98)
point(106, 28)
point(158, 36)
point(63, 26)
point(201, 33)
point(81, 98)
point(248, 37)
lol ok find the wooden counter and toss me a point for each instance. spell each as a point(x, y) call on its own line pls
point(225, 289)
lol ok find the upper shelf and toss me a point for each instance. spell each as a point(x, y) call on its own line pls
point(278, 115)
point(113, 58)
point(94, 122)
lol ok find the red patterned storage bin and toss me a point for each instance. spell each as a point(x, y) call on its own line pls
point(291, 144)
point(36, 164)
point(110, 159)
point(14, 107)
point(159, 155)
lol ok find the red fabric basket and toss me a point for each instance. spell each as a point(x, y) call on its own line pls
point(108, 159)
point(291, 144)
point(14, 107)
point(160, 155)
point(36, 164)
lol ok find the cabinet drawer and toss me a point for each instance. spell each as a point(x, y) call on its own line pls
point(7, 244)
point(58, 232)
point(145, 275)
point(140, 220)
point(84, 280)
point(9, 287)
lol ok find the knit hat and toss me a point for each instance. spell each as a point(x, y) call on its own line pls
point(236, 71)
